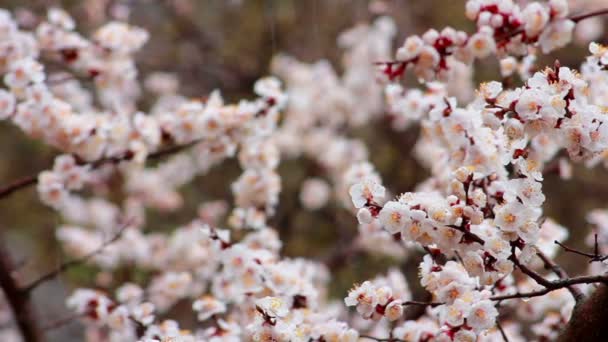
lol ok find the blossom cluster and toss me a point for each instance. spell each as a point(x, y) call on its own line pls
point(54, 186)
point(483, 203)
point(382, 297)
point(249, 271)
point(484, 214)
point(466, 311)
point(478, 216)
point(503, 28)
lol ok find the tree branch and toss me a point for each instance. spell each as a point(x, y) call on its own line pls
point(68, 264)
point(17, 185)
point(419, 303)
point(378, 339)
point(523, 295)
point(502, 332)
point(551, 286)
point(530, 273)
point(584, 16)
point(61, 322)
point(596, 256)
point(18, 299)
point(561, 274)
point(467, 236)
point(549, 264)
point(28, 181)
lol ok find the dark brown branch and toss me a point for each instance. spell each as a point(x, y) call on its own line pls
point(467, 235)
point(69, 264)
point(413, 312)
point(595, 256)
point(581, 17)
point(28, 181)
point(530, 273)
point(551, 286)
point(523, 295)
point(419, 303)
point(552, 266)
point(572, 250)
point(17, 185)
point(390, 339)
point(561, 274)
point(18, 300)
point(502, 332)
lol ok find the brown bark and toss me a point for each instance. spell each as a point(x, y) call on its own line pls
point(589, 319)
point(18, 300)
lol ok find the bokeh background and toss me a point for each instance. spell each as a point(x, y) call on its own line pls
point(227, 45)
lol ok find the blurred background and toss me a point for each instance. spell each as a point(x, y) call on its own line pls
point(227, 45)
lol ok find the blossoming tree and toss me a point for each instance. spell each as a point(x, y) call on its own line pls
point(488, 267)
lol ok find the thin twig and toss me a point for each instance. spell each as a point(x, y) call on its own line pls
point(595, 256)
point(33, 179)
point(523, 295)
point(378, 339)
point(75, 262)
point(468, 235)
point(61, 322)
point(502, 331)
point(17, 185)
point(581, 17)
point(419, 303)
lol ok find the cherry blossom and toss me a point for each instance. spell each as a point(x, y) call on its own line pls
point(478, 217)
